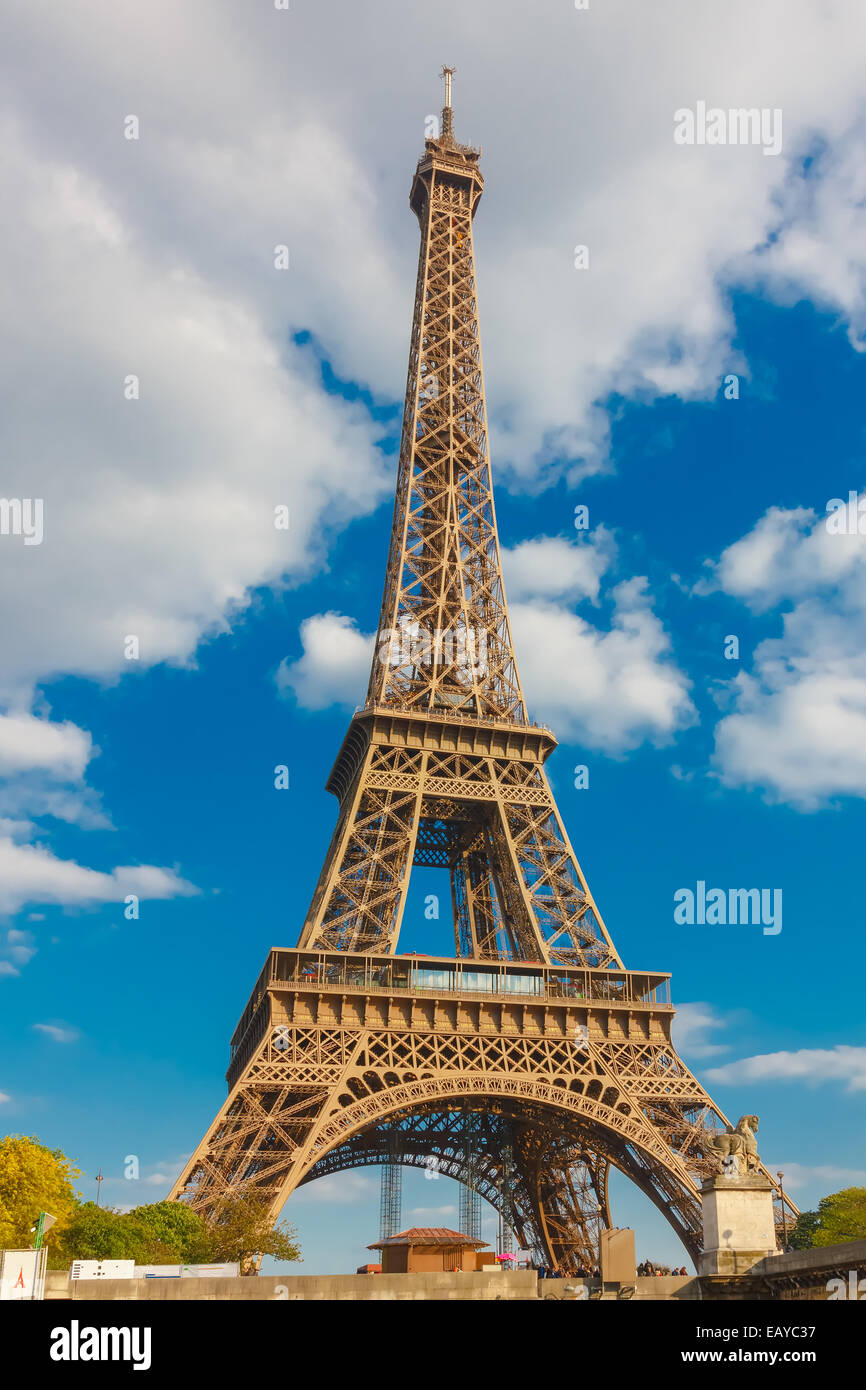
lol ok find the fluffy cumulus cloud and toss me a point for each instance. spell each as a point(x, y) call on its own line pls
point(30, 744)
point(552, 567)
point(45, 764)
point(610, 688)
point(335, 666)
point(694, 1028)
point(31, 873)
point(797, 723)
point(812, 1065)
point(42, 767)
point(605, 686)
point(820, 237)
point(159, 513)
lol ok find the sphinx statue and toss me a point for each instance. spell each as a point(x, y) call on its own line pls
point(738, 1142)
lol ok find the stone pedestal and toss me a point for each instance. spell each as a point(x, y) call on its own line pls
point(738, 1223)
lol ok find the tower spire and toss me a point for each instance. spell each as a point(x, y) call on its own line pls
point(447, 113)
point(444, 637)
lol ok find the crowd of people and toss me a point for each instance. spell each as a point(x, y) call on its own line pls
point(583, 1271)
point(648, 1268)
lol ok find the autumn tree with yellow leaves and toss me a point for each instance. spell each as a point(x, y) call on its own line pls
point(33, 1178)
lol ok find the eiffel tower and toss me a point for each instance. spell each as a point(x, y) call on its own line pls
point(348, 1053)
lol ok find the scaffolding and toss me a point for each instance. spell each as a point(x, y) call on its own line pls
point(506, 1239)
point(470, 1197)
point(391, 1191)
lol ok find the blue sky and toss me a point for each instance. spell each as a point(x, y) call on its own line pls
point(707, 520)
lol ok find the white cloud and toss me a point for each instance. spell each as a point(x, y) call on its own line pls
point(434, 1211)
point(789, 554)
point(19, 945)
point(4, 1097)
point(158, 512)
point(43, 764)
point(58, 1032)
point(27, 743)
point(693, 1026)
point(37, 757)
point(821, 237)
point(797, 724)
point(799, 1175)
point(800, 736)
point(551, 567)
point(33, 874)
point(339, 1188)
point(608, 689)
point(813, 1065)
point(335, 666)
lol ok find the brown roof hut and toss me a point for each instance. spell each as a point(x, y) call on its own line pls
point(428, 1249)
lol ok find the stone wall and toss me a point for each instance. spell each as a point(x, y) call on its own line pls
point(658, 1287)
point(478, 1285)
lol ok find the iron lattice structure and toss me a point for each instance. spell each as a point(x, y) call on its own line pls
point(470, 1197)
point(534, 1028)
point(391, 1190)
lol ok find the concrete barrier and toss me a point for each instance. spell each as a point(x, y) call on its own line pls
point(659, 1287)
point(480, 1285)
point(484, 1285)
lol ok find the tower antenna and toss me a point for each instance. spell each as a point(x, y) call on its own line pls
point(447, 114)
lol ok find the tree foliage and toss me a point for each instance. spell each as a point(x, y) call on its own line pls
point(175, 1229)
point(840, 1217)
point(33, 1178)
point(803, 1234)
point(100, 1233)
point(159, 1233)
point(241, 1230)
point(171, 1233)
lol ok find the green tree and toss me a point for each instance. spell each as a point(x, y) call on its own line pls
point(100, 1233)
point(171, 1233)
point(159, 1233)
point(33, 1178)
point(802, 1236)
point(841, 1217)
point(176, 1233)
point(241, 1230)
